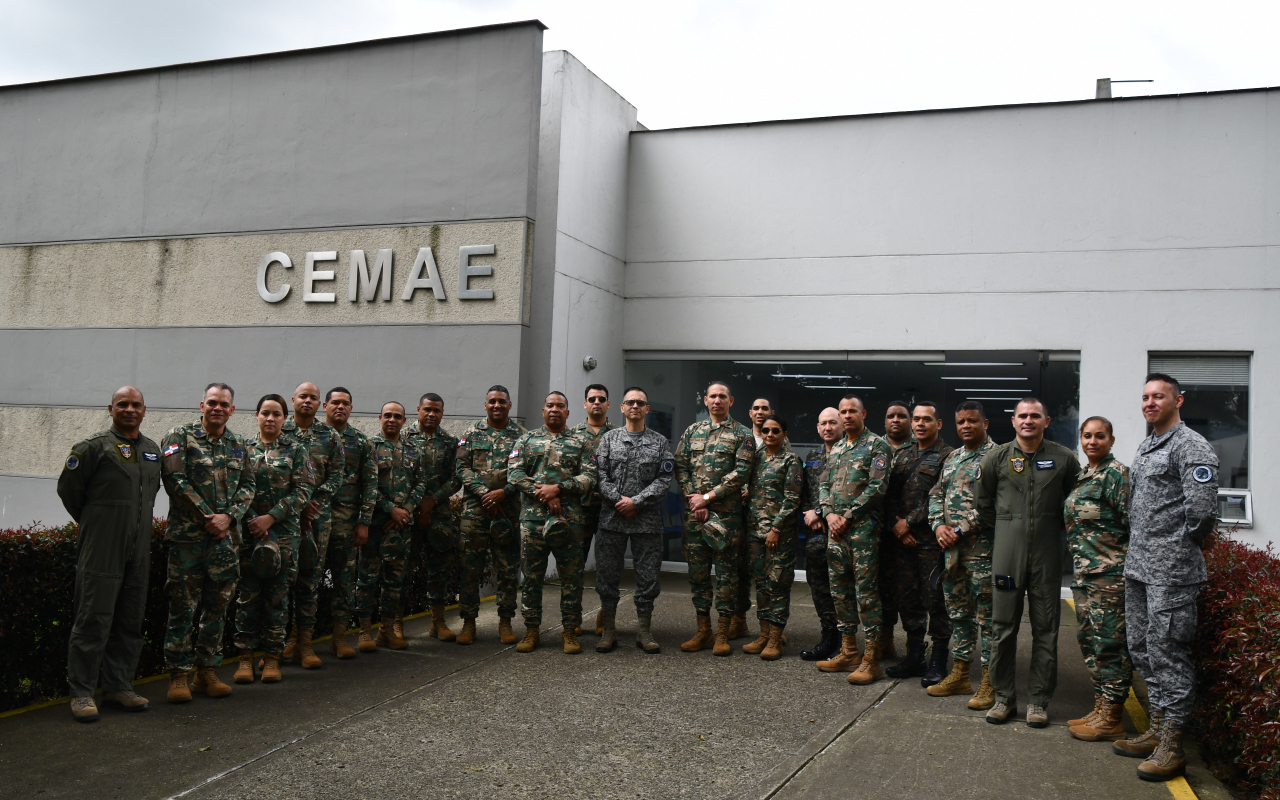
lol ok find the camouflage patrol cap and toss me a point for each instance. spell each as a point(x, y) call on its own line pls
point(555, 529)
point(266, 557)
point(714, 532)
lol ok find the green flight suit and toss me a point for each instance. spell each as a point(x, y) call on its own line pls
point(1021, 496)
point(108, 485)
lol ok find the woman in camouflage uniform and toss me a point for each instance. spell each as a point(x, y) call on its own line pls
point(773, 499)
point(268, 559)
point(1097, 517)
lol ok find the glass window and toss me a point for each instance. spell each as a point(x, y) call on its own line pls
point(1216, 388)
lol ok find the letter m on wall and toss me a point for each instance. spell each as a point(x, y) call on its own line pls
point(365, 283)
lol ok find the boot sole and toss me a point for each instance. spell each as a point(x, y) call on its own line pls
point(994, 721)
point(834, 670)
point(1097, 737)
point(652, 652)
point(606, 648)
point(243, 679)
point(1153, 778)
point(949, 692)
point(116, 704)
point(1122, 752)
point(983, 706)
point(85, 717)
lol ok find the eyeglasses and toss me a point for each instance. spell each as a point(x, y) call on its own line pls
point(771, 430)
point(635, 402)
point(599, 400)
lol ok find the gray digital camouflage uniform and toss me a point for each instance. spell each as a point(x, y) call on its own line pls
point(641, 470)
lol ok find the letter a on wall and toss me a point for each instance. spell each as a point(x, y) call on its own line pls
point(418, 281)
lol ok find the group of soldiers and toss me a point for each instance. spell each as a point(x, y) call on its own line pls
point(899, 527)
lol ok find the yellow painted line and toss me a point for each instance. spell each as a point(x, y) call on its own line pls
point(1181, 790)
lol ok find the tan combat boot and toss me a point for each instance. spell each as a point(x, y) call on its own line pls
point(955, 683)
point(887, 648)
point(271, 669)
point(178, 691)
point(367, 643)
point(439, 628)
point(600, 622)
point(388, 636)
point(1099, 705)
point(869, 671)
point(127, 700)
point(702, 638)
point(571, 646)
point(530, 641)
point(577, 624)
point(847, 658)
point(754, 647)
point(83, 709)
point(1144, 744)
point(721, 647)
point(306, 654)
point(985, 697)
point(644, 636)
point(1107, 726)
point(1168, 761)
point(397, 627)
point(291, 646)
point(244, 672)
point(207, 681)
point(738, 627)
point(505, 633)
point(338, 644)
point(773, 648)
point(468, 633)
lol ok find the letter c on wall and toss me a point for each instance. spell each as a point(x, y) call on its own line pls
point(263, 266)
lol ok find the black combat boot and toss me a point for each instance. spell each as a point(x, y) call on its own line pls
point(913, 666)
point(937, 665)
point(825, 648)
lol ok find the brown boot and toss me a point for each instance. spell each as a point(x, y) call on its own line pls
point(468, 633)
point(571, 646)
point(846, 659)
point(439, 628)
point(178, 691)
point(271, 669)
point(1168, 761)
point(397, 627)
point(367, 643)
point(1144, 744)
point(869, 671)
point(1108, 726)
point(985, 697)
point(1099, 705)
point(773, 649)
point(600, 622)
point(576, 627)
point(955, 683)
point(388, 632)
point(291, 646)
point(244, 672)
point(738, 627)
point(702, 638)
point(306, 654)
point(207, 681)
point(887, 648)
point(756, 646)
point(505, 633)
point(721, 647)
point(530, 641)
point(338, 644)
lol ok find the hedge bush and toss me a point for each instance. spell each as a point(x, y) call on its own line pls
point(37, 593)
point(1237, 719)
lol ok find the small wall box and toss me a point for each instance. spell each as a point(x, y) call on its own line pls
point(1235, 508)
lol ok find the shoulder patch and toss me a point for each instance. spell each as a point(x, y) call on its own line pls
point(1202, 474)
point(797, 478)
point(73, 461)
point(668, 466)
point(880, 463)
point(514, 454)
point(171, 449)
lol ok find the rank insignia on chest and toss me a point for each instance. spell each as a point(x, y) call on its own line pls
point(151, 456)
point(1018, 464)
point(126, 451)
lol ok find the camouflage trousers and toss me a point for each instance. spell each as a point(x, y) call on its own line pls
point(342, 557)
point(819, 578)
point(890, 553)
point(854, 563)
point(382, 560)
point(967, 589)
point(534, 549)
point(773, 573)
point(263, 605)
point(304, 593)
point(437, 538)
point(743, 603)
point(1101, 633)
point(701, 556)
point(1161, 626)
point(204, 574)
point(479, 536)
point(920, 600)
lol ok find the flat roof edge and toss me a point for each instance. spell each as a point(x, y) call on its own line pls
point(280, 53)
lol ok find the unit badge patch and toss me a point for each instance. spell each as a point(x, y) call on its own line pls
point(170, 450)
point(126, 451)
point(1018, 464)
point(668, 466)
point(978, 472)
point(73, 461)
point(151, 456)
point(1202, 474)
point(880, 463)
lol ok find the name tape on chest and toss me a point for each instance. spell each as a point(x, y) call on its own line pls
point(1047, 463)
point(151, 456)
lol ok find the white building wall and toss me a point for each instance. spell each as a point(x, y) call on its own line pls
point(1111, 228)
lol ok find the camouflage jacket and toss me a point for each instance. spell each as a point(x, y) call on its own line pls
point(328, 459)
point(815, 464)
point(359, 476)
point(855, 481)
point(951, 499)
point(774, 497)
point(284, 479)
point(202, 477)
point(481, 464)
point(639, 470)
point(716, 457)
point(564, 459)
point(1173, 507)
point(591, 503)
point(400, 483)
point(915, 471)
point(438, 450)
point(1097, 516)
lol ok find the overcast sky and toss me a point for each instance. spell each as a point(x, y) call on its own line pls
point(700, 63)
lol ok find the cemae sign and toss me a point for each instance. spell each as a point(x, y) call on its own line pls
point(375, 284)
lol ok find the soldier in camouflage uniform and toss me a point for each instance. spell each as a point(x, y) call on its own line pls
point(915, 470)
point(490, 514)
point(209, 478)
point(830, 431)
point(596, 404)
point(852, 499)
point(433, 520)
point(897, 434)
point(328, 462)
point(284, 482)
point(1097, 517)
point(713, 464)
point(553, 469)
point(966, 579)
point(400, 488)
point(774, 492)
point(352, 510)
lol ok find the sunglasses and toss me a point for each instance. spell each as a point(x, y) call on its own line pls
point(635, 403)
point(771, 430)
point(597, 399)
